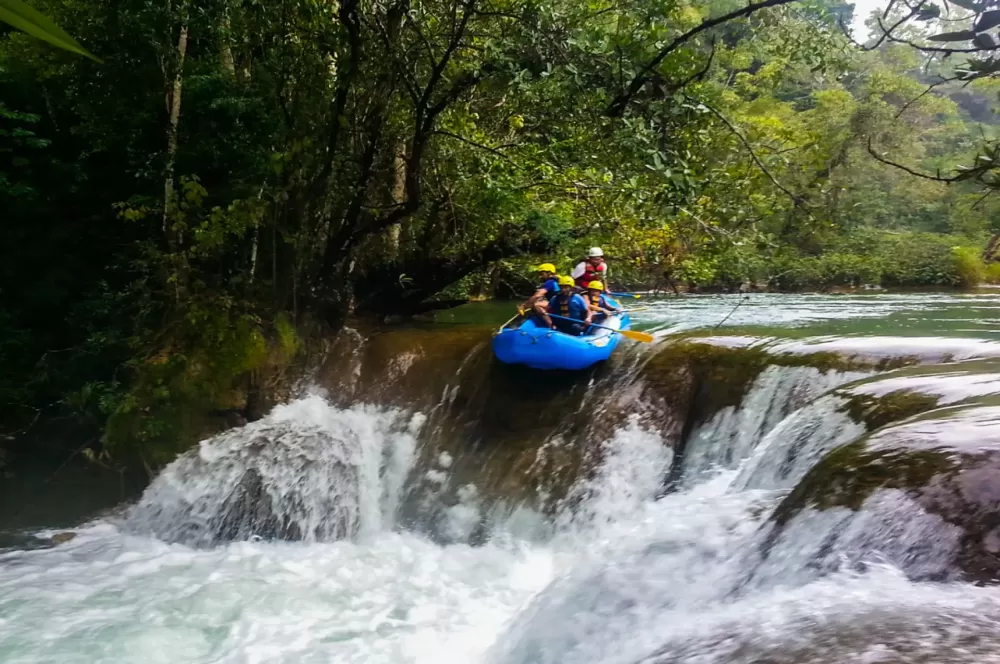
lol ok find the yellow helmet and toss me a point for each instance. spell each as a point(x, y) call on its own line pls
point(546, 267)
point(566, 281)
point(595, 285)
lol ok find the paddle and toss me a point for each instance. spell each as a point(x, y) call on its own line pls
point(513, 318)
point(631, 295)
point(628, 334)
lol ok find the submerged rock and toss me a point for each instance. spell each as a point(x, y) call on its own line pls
point(922, 495)
point(307, 471)
point(16, 541)
point(63, 537)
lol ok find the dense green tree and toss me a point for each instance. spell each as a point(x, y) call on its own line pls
point(233, 171)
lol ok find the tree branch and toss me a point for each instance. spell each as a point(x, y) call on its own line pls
point(487, 148)
point(885, 33)
point(753, 155)
point(617, 106)
point(700, 74)
point(438, 69)
point(934, 178)
point(922, 94)
point(464, 82)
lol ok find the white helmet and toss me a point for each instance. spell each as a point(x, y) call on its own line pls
point(595, 251)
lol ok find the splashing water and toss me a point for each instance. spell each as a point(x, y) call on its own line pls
point(621, 578)
point(307, 471)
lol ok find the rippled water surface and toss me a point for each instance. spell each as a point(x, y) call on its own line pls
point(951, 314)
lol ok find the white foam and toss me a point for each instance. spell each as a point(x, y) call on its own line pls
point(327, 472)
point(624, 578)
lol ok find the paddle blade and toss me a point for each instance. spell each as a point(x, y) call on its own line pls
point(637, 336)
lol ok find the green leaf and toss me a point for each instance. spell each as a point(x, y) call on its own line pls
point(26, 19)
point(985, 40)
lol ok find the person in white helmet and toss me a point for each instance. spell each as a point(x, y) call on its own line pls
point(594, 268)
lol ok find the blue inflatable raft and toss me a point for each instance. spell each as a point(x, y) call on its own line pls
point(542, 348)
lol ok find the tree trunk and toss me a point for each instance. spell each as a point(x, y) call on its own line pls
point(398, 196)
point(225, 45)
point(174, 111)
point(990, 253)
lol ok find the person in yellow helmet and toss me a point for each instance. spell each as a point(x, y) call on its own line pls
point(598, 302)
point(548, 286)
point(568, 305)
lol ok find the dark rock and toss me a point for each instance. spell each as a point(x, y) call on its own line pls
point(62, 538)
point(286, 480)
point(249, 512)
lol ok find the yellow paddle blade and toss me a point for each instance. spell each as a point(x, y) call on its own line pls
point(637, 336)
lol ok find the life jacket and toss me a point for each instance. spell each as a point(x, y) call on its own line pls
point(564, 306)
point(573, 304)
point(591, 273)
point(595, 300)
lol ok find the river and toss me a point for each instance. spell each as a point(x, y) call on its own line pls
point(417, 539)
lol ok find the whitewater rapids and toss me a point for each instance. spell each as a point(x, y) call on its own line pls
point(619, 578)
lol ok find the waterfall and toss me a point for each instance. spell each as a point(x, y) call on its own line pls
point(308, 471)
point(634, 462)
point(887, 529)
point(535, 519)
point(789, 450)
point(734, 432)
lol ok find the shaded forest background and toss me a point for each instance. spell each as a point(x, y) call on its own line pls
point(236, 172)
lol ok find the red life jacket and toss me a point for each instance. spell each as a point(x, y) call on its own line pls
point(591, 273)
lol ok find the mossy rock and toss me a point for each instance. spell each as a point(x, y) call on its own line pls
point(398, 366)
point(877, 411)
point(895, 396)
point(931, 482)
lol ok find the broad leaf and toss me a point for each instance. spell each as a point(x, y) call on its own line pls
point(987, 20)
point(961, 35)
point(985, 40)
point(971, 5)
point(33, 22)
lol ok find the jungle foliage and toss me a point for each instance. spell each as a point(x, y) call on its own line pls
point(231, 171)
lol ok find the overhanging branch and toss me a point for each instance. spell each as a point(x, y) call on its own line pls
point(487, 148)
point(753, 154)
point(907, 169)
point(617, 107)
